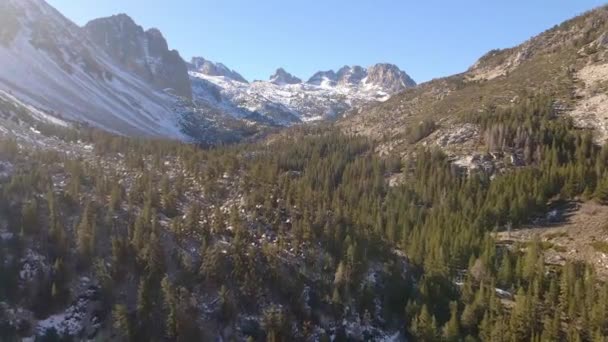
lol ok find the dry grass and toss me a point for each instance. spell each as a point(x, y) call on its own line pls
point(600, 246)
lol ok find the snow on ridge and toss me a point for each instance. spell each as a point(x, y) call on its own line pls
point(307, 102)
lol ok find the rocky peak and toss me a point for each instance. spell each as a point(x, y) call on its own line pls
point(389, 77)
point(157, 45)
point(144, 53)
point(206, 67)
point(283, 77)
point(349, 76)
point(324, 77)
point(386, 77)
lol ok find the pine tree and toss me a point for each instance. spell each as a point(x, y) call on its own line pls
point(153, 253)
point(521, 326)
point(29, 217)
point(212, 264)
point(451, 330)
point(225, 304)
point(192, 218)
point(505, 272)
point(85, 234)
point(104, 276)
point(275, 324)
point(424, 326)
point(122, 322)
point(115, 197)
point(56, 229)
point(60, 281)
point(531, 259)
point(170, 307)
point(145, 303)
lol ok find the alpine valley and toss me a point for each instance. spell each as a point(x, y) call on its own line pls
point(147, 198)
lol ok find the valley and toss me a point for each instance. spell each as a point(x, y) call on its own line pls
point(146, 198)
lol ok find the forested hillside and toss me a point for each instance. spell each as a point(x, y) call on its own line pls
point(301, 237)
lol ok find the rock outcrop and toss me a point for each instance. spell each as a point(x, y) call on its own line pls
point(145, 53)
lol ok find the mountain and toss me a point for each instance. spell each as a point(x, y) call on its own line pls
point(350, 76)
point(50, 62)
point(281, 77)
point(384, 76)
point(209, 68)
point(144, 53)
point(327, 78)
point(286, 100)
point(568, 63)
point(389, 77)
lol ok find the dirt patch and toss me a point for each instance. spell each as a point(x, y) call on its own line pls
point(590, 111)
point(579, 230)
point(593, 73)
point(486, 74)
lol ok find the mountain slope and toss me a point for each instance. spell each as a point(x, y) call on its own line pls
point(567, 63)
point(49, 62)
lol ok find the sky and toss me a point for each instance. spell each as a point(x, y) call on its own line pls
point(427, 39)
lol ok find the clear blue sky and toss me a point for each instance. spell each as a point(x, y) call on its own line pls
point(428, 38)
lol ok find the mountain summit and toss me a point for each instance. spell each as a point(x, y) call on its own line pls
point(283, 77)
point(387, 77)
point(349, 76)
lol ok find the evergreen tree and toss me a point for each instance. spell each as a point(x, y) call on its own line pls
point(170, 307)
point(424, 327)
point(122, 322)
point(85, 234)
point(451, 330)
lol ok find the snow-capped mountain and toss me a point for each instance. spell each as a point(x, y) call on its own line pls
point(286, 99)
point(51, 63)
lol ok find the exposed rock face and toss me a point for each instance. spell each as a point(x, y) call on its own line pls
point(283, 77)
point(209, 68)
point(389, 77)
point(144, 53)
